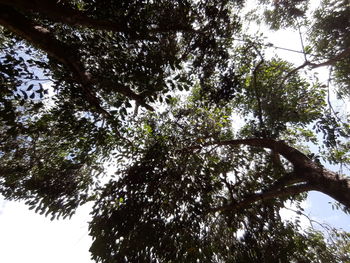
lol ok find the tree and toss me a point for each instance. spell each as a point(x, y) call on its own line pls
point(186, 181)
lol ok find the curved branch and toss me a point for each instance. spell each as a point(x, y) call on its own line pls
point(297, 158)
point(65, 14)
point(44, 40)
point(291, 190)
point(331, 184)
point(317, 177)
point(290, 73)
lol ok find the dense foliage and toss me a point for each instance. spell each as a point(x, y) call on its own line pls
point(207, 135)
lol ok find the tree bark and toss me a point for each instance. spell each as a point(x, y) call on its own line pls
point(345, 53)
point(53, 10)
point(328, 182)
point(314, 176)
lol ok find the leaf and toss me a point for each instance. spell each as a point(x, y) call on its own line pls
point(24, 94)
point(30, 87)
point(127, 104)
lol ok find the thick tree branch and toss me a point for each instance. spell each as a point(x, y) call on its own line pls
point(35, 34)
point(316, 176)
point(332, 60)
point(65, 14)
point(329, 183)
point(44, 40)
point(288, 191)
point(297, 158)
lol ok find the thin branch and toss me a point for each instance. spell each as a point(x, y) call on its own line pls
point(286, 49)
point(302, 42)
point(288, 179)
point(329, 62)
point(331, 109)
point(291, 190)
point(38, 79)
point(324, 225)
point(276, 47)
point(257, 95)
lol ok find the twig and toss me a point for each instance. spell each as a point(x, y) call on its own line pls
point(257, 95)
point(301, 41)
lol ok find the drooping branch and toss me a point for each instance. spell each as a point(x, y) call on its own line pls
point(43, 39)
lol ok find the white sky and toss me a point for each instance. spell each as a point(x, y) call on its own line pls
point(29, 237)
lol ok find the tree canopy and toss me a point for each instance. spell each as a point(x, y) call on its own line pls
point(208, 135)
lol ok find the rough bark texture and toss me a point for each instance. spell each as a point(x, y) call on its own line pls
point(328, 182)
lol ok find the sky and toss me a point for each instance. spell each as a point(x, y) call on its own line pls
point(29, 237)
